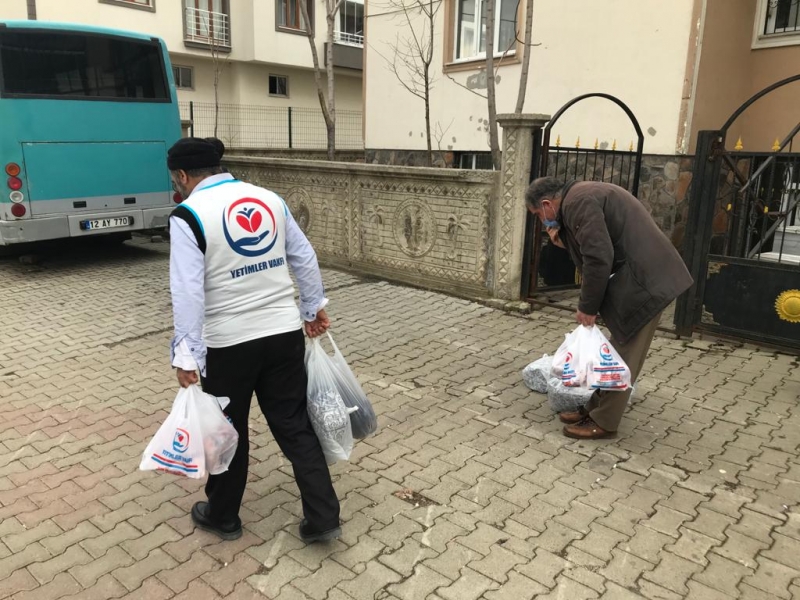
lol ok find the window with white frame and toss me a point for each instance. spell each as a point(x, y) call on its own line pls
point(782, 16)
point(470, 28)
point(350, 24)
point(208, 22)
point(146, 4)
point(184, 77)
point(279, 86)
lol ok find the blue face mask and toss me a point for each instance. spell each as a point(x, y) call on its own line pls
point(551, 223)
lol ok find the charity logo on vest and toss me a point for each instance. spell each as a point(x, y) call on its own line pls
point(249, 226)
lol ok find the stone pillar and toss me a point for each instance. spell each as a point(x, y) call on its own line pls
point(510, 212)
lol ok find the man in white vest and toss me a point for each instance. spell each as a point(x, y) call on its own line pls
point(236, 322)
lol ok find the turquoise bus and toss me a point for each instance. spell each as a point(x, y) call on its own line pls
point(86, 117)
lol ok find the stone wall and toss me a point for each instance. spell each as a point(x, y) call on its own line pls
point(426, 227)
point(663, 184)
point(354, 156)
point(409, 158)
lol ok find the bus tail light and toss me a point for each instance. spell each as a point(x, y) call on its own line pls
point(177, 198)
point(16, 197)
point(12, 169)
point(18, 210)
point(14, 183)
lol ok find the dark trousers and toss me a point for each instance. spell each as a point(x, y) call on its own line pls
point(273, 368)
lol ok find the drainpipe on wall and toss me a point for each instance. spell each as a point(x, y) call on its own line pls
point(31, 10)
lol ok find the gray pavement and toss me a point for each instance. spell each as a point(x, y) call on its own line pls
point(467, 491)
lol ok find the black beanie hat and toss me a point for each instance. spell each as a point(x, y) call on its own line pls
point(195, 153)
point(218, 145)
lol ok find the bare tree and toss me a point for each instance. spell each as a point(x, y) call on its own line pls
point(328, 105)
point(412, 56)
point(491, 95)
point(215, 33)
point(492, 77)
point(526, 57)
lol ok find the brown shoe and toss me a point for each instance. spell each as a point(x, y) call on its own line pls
point(572, 417)
point(587, 430)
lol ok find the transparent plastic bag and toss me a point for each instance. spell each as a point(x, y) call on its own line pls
point(177, 446)
point(362, 421)
point(220, 438)
point(566, 399)
point(329, 416)
point(537, 374)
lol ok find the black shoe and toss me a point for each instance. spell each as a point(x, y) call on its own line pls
point(308, 535)
point(201, 518)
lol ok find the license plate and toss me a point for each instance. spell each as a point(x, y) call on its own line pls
point(107, 223)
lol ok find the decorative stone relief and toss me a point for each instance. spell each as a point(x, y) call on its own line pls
point(507, 200)
point(414, 227)
point(456, 224)
point(301, 206)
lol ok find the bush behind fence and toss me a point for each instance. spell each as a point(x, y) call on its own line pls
point(251, 126)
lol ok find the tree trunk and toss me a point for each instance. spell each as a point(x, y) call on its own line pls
point(494, 142)
point(427, 74)
point(429, 162)
point(526, 57)
point(329, 105)
point(216, 99)
point(331, 123)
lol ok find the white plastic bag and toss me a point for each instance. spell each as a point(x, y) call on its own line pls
point(177, 446)
point(569, 362)
point(536, 374)
point(330, 418)
point(605, 368)
point(362, 421)
point(587, 359)
point(220, 438)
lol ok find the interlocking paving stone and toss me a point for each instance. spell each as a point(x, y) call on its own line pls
point(521, 513)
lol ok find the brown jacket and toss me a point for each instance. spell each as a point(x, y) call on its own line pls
point(630, 270)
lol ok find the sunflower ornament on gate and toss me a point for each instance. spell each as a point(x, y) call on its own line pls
point(787, 306)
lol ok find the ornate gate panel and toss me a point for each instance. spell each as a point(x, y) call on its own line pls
point(743, 240)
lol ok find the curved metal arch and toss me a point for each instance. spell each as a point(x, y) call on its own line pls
point(613, 99)
point(737, 113)
point(618, 102)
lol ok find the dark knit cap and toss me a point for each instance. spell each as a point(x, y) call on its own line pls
point(195, 153)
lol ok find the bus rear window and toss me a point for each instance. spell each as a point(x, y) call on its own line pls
point(75, 66)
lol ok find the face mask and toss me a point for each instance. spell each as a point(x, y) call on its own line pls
point(551, 223)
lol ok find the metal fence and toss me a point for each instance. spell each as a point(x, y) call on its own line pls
point(251, 126)
point(595, 164)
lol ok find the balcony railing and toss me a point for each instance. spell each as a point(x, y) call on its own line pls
point(351, 39)
point(207, 27)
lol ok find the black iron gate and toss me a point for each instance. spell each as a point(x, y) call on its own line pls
point(742, 242)
point(548, 269)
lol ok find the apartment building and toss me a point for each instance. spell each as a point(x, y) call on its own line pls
point(256, 51)
point(680, 65)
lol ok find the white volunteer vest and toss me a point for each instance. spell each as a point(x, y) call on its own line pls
point(248, 291)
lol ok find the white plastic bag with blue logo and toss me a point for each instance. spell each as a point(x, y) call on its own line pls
point(177, 446)
point(569, 362)
point(605, 369)
point(587, 360)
